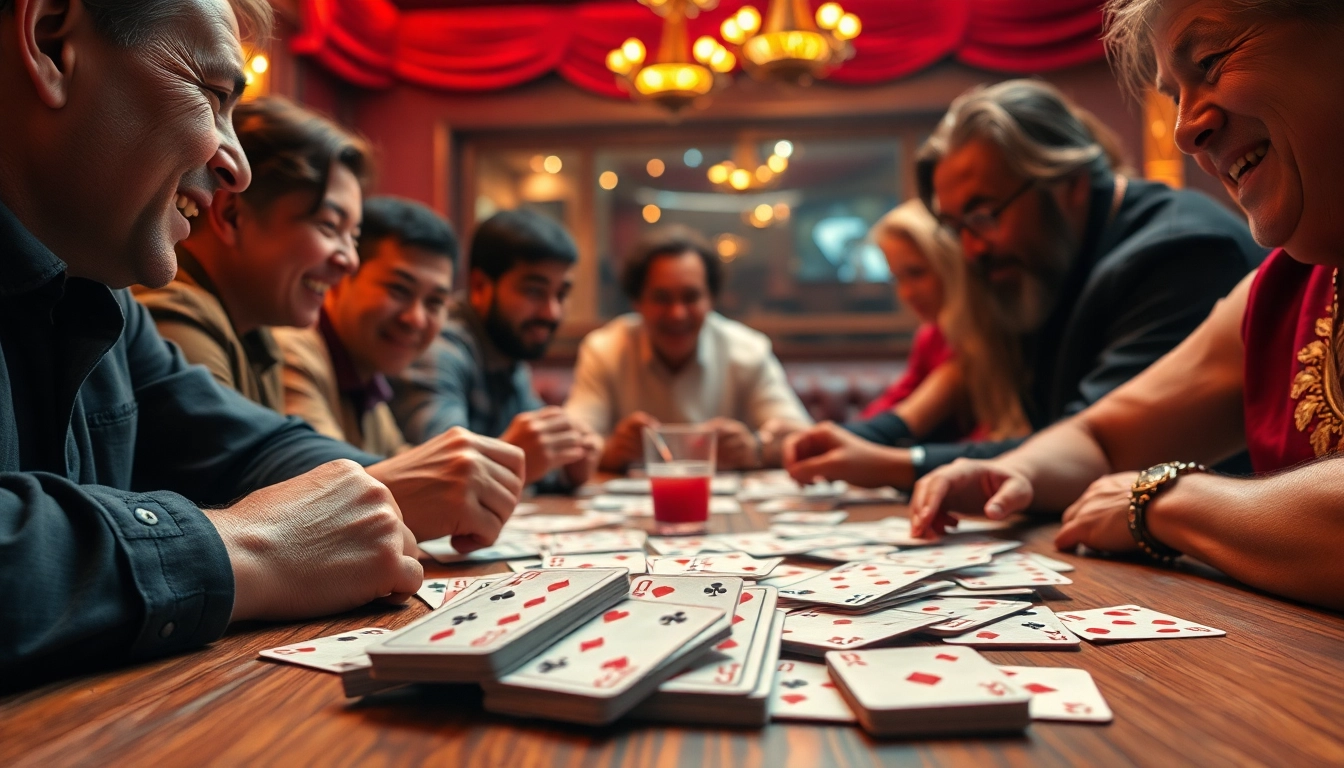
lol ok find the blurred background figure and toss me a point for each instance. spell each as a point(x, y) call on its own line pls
point(676, 360)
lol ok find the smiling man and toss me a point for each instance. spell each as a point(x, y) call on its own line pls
point(144, 507)
point(476, 375)
point(1096, 274)
point(679, 361)
point(373, 324)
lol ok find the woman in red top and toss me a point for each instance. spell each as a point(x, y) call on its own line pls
point(953, 339)
point(1263, 372)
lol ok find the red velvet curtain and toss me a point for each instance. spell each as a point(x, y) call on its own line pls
point(373, 44)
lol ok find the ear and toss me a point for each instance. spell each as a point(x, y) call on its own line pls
point(223, 217)
point(481, 290)
point(47, 32)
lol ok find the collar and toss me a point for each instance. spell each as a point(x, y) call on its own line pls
point(27, 264)
point(491, 357)
point(651, 360)
point(262, 349)
point(365, 395)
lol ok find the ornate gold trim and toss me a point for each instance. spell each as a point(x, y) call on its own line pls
point(1317, 386)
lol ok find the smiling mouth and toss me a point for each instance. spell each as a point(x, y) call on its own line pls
point(1247, 162)
point(187, 207)
point(316, 286)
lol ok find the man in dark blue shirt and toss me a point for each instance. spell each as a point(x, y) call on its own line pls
point(142, 506)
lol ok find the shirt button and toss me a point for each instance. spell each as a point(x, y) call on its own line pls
point(167, 629)
point(147, 517)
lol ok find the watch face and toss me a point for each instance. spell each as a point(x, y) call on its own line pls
point(1154, 476)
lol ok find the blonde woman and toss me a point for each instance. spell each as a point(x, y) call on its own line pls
point(961, 379)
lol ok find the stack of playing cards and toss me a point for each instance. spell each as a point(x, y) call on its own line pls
point(861, 586)
point(604, 668)
point(718, 688)
point(496, 630)
point(1036, 628)
point(926, 691)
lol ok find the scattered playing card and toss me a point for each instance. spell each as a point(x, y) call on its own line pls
point(588, 542)
point(784, 575)
point(1058, 566)
point(583, 521)
point(856, 584)
point(507, 547)
point(804, 691)
point(725, 563)
point(333, 653)
point(1060, 693)
point(685, 545)
point(437, 592)
point(850, 554)
point(1131, 622)
point(809, 518)
point(529, 564)
point(940, 689)
point(816, 631)
point(765, 543)
point(720, 592)
point(1020, 574)
point(632, 561)
point(1036, 628)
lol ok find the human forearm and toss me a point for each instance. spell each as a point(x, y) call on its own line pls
point(1281, 533)
point(1059, 462)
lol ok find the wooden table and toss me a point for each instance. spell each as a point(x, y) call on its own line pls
point(1268, 693)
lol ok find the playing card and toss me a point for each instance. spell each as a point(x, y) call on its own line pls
point(720, 592)
point(896, 691)
point(939, 558)
point(1019, 574)
point(791, 504)
point(1131, 622)
point(529, 564)
point(489, 620)
point(855, 584)
point(685, 545)
point(1060, 693)
point(614, 650)
point(808, 518)
point(735, 668)
point(968, 614)
point(507, 547)
point(893, 530)
point(333, 653)
point(784, 575)
point(632, 560)
point(588, 542)
point(765, 543)
point(733, 563)
point(850, 554)
point(815, 631)
point(804, 691)
point(441, 591)
point(583, 521)
point(1015, 593)
point(1035, 628)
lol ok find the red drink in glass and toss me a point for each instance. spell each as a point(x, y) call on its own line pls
point(680, 496)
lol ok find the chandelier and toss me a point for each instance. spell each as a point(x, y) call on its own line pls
point(681, 73)
point(745, 172)
point(789, 46)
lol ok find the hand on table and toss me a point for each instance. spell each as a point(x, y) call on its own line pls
point(626, 444)
point(548, 438)
point(831, 452)
point(457, 483)
point(1100, 517)
point(969, 487)
point(772, 435)
point(324, 542)
point(738, 448)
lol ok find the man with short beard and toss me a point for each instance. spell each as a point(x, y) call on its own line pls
point(476, 374)
point(1098, 275)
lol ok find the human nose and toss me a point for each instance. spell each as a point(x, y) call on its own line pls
point(346, 258)
point(973, 246)
point(1197, 120)
point(415, 315)
point(229, 164)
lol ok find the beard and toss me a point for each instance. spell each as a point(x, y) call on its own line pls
point(1023, 306)
point(509, 339)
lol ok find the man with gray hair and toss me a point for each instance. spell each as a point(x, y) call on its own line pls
point(1097, 274)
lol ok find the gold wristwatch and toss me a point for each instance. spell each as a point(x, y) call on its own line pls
point(1148, 484)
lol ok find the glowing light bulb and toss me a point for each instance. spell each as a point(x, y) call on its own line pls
point(748, 20)
point(828, 15)
point(607, 180)
point(652, 214)
point(704, 49)
point(717, 173)
point(777, 163)
point(849, 27)
point(655, 167)
point(633, 50)
point(259, 63)
point(739, 179)
point(784, 148)
point(731, 31)
point(552, 164)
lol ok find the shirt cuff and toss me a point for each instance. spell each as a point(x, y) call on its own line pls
point(179, 566)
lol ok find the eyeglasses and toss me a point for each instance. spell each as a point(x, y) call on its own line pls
point(982, 222)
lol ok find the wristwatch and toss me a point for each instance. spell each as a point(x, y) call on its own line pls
point(1148, 484)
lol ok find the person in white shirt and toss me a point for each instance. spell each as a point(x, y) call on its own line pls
point(675, 360)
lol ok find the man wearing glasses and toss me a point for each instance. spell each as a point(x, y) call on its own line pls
point(1096, 274)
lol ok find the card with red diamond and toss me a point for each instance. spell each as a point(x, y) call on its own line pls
point(1131, 622)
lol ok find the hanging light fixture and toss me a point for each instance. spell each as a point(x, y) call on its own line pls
point(681, 73)
point(791, 44)
point(745, 172)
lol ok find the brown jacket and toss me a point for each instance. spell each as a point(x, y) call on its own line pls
point(189, 313)
point(312, 394)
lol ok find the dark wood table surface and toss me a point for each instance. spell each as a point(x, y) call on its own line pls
point(1270, 693)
